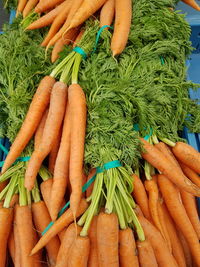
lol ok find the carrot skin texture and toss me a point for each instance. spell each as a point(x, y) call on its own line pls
point(107, 241)
point(11, 245)
point(44, 5)
point(179, 215)
point(34, 115)
point(146, 254)
point(192, 3)
point(127, 249)
point(93, 256)
point(17, 258)
point(20, 6)
point(30, 4)
point(186, 249)
point(39, 130)
point(107, 13)
point(191, 174)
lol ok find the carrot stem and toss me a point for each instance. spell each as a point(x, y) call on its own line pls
point(35, 193)
point(120, 212)
point(23, 201)
point(77, 62)
point(6, 175)
point(44, 173)
point(11, 191)
point(65, 76)
point(167, 141)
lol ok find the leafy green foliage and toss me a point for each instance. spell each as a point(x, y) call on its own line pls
point(10, 4)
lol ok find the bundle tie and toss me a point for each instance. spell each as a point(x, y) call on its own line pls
point(99, 35)
point(80, 51)
point(136, 128)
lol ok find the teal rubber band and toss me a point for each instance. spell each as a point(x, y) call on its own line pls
point(136, 128)
point(162, 60)
point(80, 51)
point(109, 165)
point(5, 150)
point(98, 36)
point(47, 228)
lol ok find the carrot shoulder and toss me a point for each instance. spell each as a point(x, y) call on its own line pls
point(146, 254)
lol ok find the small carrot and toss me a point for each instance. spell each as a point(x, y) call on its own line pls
point(90, 188)
point(140, 196)
point(192, 3)
point(192, 175)
point(158, 160)
point(52, 126)
point(29, 6)
point(127, 249)
point(45, 5)
point(123, 14)
point(59, 225)
point(179, 215)
point(39, 131)
point(78, 38)
point(93, 256)
point(77, 113)
point(107, 241)
point(34, 115)
point(107, 13)
point(146, 254)
point(20, 6)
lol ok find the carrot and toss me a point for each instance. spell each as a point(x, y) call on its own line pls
point(46, 19)
point(45, 188)
point(61, 171)
point(3, 185)
point(179, 215)
point(20, 6)
point(162, 253)
point(78, 38)
point(79, 252)
point(41, 219)
point(52, 126)
point(77, 113)
point(17, 256)
point(29, 6)
point(158, 160)
point(34, 115)
point(14, 200)
point(127, 248)
point(68, 239)
point(107, 241)
point(93, 258)
point(45, 5)
point(58, 21)
point(192, 3)
point(107, 13)
point(140, 196)
point(177, 249)
point(146, 254)
point(39, 131)
point(186, 249)
point(187, 155)
point(11, 245)
point(192, 175)
point(123, 14)
point(59, 225)
point(90, 188)
point(190, 206)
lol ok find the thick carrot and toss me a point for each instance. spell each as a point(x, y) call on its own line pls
point(79, 252)
point(90, 188)
point(34, 115)
point(77, 113)
point(107, 13)
point(39, 130)
point(41, 219)
point(51, 130)
point(140, 196)
point(93, 256)
point(177, 249)
point(123, 14)
point(190, 206)
point(192, 175)
point(107, 241)
point(68, 239)
point(186, 249)
point(11, 245)
point(158, 160)
point(45, 5)
point(192, 3)
point(146, 254)
point(59, 225)
point(17, 257)
point(29, 6)
point(188, 155)
point(162, 253)
point(58, 22)
point(45, 188)
point(127, 249)
point(61, 171)
point(20, 6)
point(179, 215)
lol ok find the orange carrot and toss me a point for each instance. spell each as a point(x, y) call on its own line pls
point(14, 200)
point(39, 131)
point(188, 155)
point(186, 249)
point(77, 113)
point(123, 14)
point(90, 188)
point(190, 206)
point(162, 253)
point(192, 175)
point(61, 171)
point(179, 215)
point(11, 245)
point(29, 6)
point(192, 3)
point(146, 254)
point(177, 249)
point(45, 188)
point(93, 258)
point(17, 257)
point(45, 5)
point(158, 160)
point(20, 6)
point(78, 38)
point(107, 13)
point(3, 185)
point(41, 219)
point(107, 241)
point(34, 115)
point(140, 196)
point(68, 239)
point(127, 249)
point(52, 126)
point(59, 225)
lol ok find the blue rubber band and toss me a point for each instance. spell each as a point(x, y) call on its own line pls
point(79, 50)
point(12, 16)
point(99, 34)
point(4, 149)
point(109, 165)
point(136, 128)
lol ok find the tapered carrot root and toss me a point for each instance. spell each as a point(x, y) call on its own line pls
point(41, 219)
point(40, 129)
point(127, 249)
point(78, 38)
point(146, 254)
point(158, 160)
point(192, 3)
point(186, 249)
point(20, 6)
point(179, 215)
point(107, 241)
point(107, 13)
point(59, 225)
point(77, 113)
point(93, 256)
point(192, 175)
point(123, 14)
point(34, 115)
point(29, 6)
point(44, 5)
point(45, 188)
